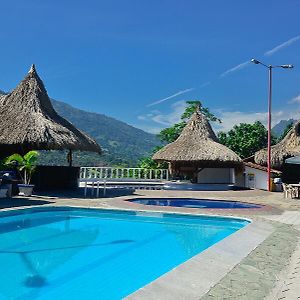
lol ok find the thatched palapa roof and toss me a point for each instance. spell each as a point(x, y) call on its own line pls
point(288, 147)
point(198, 144)
point(29, 121)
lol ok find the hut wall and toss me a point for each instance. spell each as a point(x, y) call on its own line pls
point(215, 175)
point(256, 179)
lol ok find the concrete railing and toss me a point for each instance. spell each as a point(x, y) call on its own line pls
point(123, 173)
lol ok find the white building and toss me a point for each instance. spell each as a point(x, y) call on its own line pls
point(256, 176)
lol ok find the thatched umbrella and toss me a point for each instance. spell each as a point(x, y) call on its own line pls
point(28, 121)
point(198, 146)
point(288, 147)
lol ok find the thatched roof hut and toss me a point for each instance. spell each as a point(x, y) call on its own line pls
point(288, 147)
point(28, 121)
point(198, 146)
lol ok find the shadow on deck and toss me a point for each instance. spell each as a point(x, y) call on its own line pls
point(18, 202)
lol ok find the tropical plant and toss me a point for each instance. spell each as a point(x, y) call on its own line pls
point(25, 164)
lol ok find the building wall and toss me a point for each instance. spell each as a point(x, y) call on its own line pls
point(256, 179)
point(215, 175)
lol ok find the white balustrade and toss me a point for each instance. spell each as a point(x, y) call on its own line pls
point(124, 173)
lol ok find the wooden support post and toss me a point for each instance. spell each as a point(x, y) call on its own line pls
point(70, 158)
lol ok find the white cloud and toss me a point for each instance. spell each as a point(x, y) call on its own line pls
point(155, 120)
point(141, 117)
point(172, 117)
point(283, 45)
point(231, 118)
point(170, 97)
point(150, 129)
point(162, 120)
point(236, 68)
point(295, 99)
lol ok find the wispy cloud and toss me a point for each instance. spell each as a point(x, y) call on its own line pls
point(204, 84)
point(170, 97)
point(163, 120)
point(295, 99)
point(236, 68)
point(283, 45)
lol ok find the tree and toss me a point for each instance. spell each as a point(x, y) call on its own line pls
point(170, 134)
point(245, 139)
point(149, 163)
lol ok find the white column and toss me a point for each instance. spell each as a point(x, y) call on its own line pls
point(232, 175)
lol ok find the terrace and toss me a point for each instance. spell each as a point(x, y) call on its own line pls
point(256, 262)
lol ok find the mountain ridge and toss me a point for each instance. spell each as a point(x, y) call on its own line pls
point(113, 135)
point(279, 128)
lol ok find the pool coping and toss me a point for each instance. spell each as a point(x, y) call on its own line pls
point(195, 277)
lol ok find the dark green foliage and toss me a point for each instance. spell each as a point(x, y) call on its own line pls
point(245, 139)
point(149, 163)
point(170, 134)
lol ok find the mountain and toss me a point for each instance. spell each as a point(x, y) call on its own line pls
point(121, 143)
point(279, 128)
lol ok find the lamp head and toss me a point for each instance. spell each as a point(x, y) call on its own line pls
point(255, 61)
point(287, 66)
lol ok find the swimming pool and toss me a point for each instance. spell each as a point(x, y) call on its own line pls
point(71, 253)
point(194, 203)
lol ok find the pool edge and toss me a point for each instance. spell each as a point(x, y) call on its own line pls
point(185, 280)
point(195, 277)
point(134, 211)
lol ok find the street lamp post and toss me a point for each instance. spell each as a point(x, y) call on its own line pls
point(270, 68)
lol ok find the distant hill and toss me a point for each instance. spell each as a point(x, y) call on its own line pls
point(122, 144)
point(279, 128)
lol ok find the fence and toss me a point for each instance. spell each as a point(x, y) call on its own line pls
point(123, 173)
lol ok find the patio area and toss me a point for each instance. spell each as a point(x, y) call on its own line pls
point(267, 268)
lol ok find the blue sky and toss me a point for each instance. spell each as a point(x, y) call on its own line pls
point(138, 61)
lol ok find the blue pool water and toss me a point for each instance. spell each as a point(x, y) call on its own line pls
point(60, 253)
point(194, 203)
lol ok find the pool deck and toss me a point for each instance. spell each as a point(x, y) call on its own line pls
point(260, 261)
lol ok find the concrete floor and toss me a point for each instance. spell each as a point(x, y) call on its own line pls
point(276, 210)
